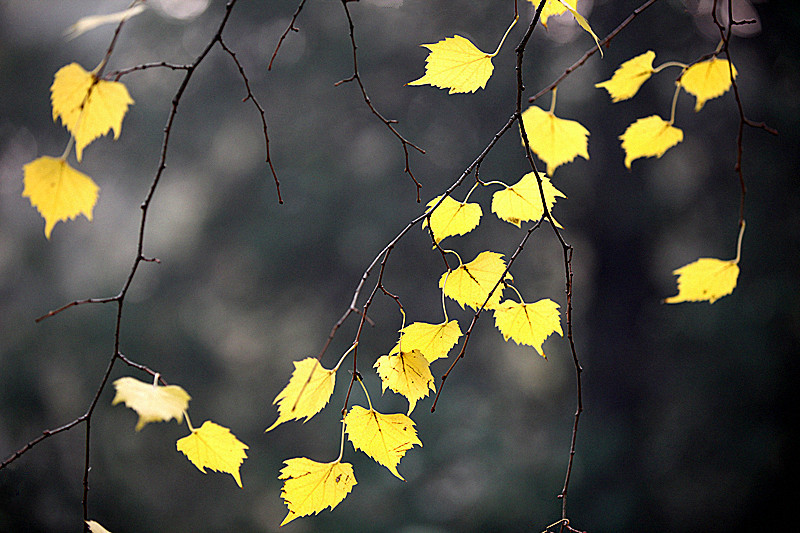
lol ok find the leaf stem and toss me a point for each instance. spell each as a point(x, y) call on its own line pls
point(361, 382)
point(667, 65)
point(516, 18)
point(444, 307)
point(188, 422)
point(739, 243)
point(553, 102)
point(341, 446)
point(674, 103)
point(70, 144)
point(470, 192)
point(341, 360)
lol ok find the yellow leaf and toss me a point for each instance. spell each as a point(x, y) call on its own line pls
point(648, 137)
point(385, 438)
point(432, 340)
point(708, 79)
point(455, 63)
point(555, 140)
point(310, 486)
point(307, 392)
point(95, 527)
point(629, 77)
point(406, 373)
point(550, 9)
point(151, 401)
point(470, 283)
point(582, 22)
point(58, 191)
point(530, 323)
point(88, 107)
point(93, 21)
point(705, 279)
point(215, 447)
point(452, 217)
point(523, 201)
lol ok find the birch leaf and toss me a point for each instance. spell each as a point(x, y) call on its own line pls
point(310, 487)
point(307, 392)
point(385, 438)
point(555, 140)
point(708, 79)
point(215, 447)
point(95, 527)
point(551, 8)
point(452, 217)
point(432, 340)
point(152, 402)
point(706, 279)
point(471, 283)
point(649, 137)
point(629, 77)
point(528, 323)
point(455, 63)
point(406, 373)
point(522, 201)
point(582, 22)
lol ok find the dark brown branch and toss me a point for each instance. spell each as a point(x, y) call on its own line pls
point(291, 27)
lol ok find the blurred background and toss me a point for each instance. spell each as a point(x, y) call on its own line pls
point(687, 423)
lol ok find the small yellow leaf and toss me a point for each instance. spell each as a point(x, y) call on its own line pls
point(88, 107)
point(455, 63)
point(151, 401)
point(93, 21)
point(551, 8)
point(385, 438)
point(307, 392)
point(471, 283)
point(215, 447)
point(530, 323)
point(432, 340)
point(452, 217)
point(522, 201)
point(95, 527)
point(705, 279)
point(629, 77)
point(582, 22)
point(406, 373)
point(58, 191)
point(708, 79)
point(555, 140)
point(310, 486)
point(648, 137)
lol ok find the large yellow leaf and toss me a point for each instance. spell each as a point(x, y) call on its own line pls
point(555, 140)
point(385, 438)
point(470, 283)
point(88, 107)
point(152, 402)
point(58, 191)
point(452, 217)
point(455, 63)
point(705, 279)
point(432, 340)
point(523, 201)
point(530, 323)
point(310, 486)
point(629, 77)
point(215, 447)
point(708, 79)
point(406, 373)
point(307, 392)
point(648, 137)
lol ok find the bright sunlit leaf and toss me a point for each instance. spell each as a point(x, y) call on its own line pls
point(307, 392)
point(95, 527)
point(471, 283)
point(629, 77)
point(582, 22)
point(555, 140)
point(310, 487)
point(551, 8)
point(523, 201)
point(152, 402)
point(432, 340)
point(58, 191)
point(406, 373)
point(88, 107)
point(93, 21)
point(708, 79)
point(455, 63)
point(452, 217)
point(649, 137)
point(706, 279)
point(215, 447)
point(385, 438)
point(528, 324)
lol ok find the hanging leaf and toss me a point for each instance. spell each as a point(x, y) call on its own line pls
point(649, 137)
point(215, 447)
point(406, 373)
point(452, 217)
point(555, 140)
point(152, 402)
point(310, 487)
point(551, 8)
point(455, 63)
point(385, 438)
point(706, 279)
point(582, 22)
point(95, 527)
point(708, 79)
point(522, 201)
point(307, 392)
point(432, 340)
point(629, 77)
point(528, 324)
point(471, 283)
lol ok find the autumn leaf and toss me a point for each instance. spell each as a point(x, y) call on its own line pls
point(58, 191)
point(93, 21)
point(215, 447)
point(522, 201)
point(151, 401)
point(708, 79)
point(432, 340)
point(471, 283)
point(649, 137)
point(88, 107)
point(307, 392)
point(310, 487)
point(406, 373)
point(452, 217)
point(455, 63)
point(582, 22)
point(705, 279)
point(555, 140)
point(629, 77)
point(551, 8)
point(385, 438)
point(528, 323)
point(95, 527)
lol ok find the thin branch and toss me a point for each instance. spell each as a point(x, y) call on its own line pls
point(291, 27)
